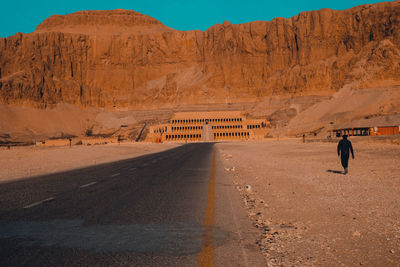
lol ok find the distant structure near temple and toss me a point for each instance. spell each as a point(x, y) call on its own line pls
point(366, 131)
point(209, 126)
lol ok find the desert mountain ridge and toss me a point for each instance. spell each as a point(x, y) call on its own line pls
point(124, 60)
point(103, 22)
point(82, 60)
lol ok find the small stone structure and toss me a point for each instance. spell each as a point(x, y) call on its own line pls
point(209, 126)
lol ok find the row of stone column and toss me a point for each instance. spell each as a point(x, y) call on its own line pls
point(254, 126)
point(169, 137)
point(186, 128)
point(227, 127)
point(231, 135)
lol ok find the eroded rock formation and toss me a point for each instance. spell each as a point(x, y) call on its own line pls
point(122, 58)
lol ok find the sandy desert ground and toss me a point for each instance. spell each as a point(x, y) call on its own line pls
point(20, 162)
point(308, 213)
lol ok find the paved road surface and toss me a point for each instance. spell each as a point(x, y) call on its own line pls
point(174, 208)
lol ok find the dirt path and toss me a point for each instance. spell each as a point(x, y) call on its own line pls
point(308, 213)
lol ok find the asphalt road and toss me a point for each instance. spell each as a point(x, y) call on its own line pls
point(174, 208)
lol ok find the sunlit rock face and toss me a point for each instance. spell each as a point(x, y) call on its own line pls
point(122, 58)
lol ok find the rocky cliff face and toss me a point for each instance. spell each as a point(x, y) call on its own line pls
point(125, 59)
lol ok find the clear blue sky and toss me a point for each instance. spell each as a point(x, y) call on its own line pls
point(25, 15)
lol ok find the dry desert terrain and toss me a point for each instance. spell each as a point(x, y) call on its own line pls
point(307, 211)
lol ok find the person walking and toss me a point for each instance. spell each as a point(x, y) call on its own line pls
point(343, 149)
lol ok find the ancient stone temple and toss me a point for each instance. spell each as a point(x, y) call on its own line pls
point(209, 126)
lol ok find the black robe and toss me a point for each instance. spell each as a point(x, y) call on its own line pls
point(343, 149)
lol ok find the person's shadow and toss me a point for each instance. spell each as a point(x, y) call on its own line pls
point(333, 171)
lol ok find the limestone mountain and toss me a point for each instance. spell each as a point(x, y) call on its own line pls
point(122, 58)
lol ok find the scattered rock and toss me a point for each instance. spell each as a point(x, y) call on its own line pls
point(287, 226)
point(356, 234)
point(230, 169)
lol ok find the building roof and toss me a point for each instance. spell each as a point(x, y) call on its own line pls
point(207, 114)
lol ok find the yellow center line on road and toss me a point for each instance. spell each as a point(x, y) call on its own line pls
point(206, 256)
